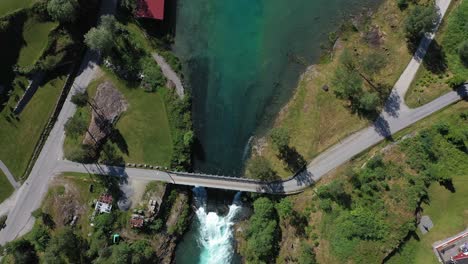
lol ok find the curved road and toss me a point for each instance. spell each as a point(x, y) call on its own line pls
point(49, 163)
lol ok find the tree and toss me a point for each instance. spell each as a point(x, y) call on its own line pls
point(262, 232)
point(142, 252)
point(65, 247)
point(75, 126)
point(284, 208)
point(189, 137)
point(3, 219)
point(260, 168)
point(102, 38)
point(63, 10)
point(99, 39)
point(307, 255)
point(152, 76)
point(130, 5)
point(347, 84)
point(373, 63)
point(40, 237)
point(80, 99)
point(22, 251)
point(280, 138)
point(463, 52)
point(421, 19)
point(369, 102)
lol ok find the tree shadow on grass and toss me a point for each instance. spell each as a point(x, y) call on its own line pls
point(117, 138)
point(294, 160)
point(448, 184)
point(435, 60)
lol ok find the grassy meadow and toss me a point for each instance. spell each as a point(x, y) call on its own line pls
point(442, 61)
point(18, 137)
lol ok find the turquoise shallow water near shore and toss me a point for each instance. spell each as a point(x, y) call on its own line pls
point(242, 59)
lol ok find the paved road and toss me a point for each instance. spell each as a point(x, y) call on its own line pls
point(170, 74)
point(9, 176)
point(395, 117)
point(29, 196)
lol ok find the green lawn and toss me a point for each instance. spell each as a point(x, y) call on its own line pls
point(448, 211)
point(8, 6)
point(18, 138)
point(442, 61)
point(5, 187)
point(35, 35)
point(144, 126)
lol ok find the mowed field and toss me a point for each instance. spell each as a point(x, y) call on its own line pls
point(8, 6)
point(35, 35)
point(18, 137)
point(144, 127)
point(5, 187)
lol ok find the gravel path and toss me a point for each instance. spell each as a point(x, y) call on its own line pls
point(9, 176)
point(170, 74)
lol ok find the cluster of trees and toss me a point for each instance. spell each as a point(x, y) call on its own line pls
point(63, 10)
point(358, 206)
point(349, 78)
point(180, 117)
point(122, 49)
point(421, 20)
point(263, 233)
point(439, 152)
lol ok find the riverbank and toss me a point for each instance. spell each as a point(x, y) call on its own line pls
point(315, 118)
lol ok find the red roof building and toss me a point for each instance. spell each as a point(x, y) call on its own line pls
point(150, 9)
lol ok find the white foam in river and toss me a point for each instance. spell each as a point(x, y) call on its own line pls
point(215, 232)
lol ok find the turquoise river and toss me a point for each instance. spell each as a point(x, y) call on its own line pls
point(241, 61)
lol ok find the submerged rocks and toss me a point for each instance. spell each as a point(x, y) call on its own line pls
point(108, 104)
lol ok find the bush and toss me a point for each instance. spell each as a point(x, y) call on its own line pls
point(463, 52)
point(420, 20)
point(152, 76)
point(63, 10)
point(80, 99)
point(280, 138)
point(75, 126)
point(3, 219)
point(456, 81)
point(260, 168)
point(262, 233)
point(369, 102)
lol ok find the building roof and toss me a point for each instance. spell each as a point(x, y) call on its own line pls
point(137, 221)
point(150, 9)
point(106, 198)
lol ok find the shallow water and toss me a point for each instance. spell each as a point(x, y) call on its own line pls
point(242, 60)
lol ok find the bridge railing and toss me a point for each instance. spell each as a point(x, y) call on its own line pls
point(212, 176)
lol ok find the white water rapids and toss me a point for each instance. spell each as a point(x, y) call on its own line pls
point(215, 235)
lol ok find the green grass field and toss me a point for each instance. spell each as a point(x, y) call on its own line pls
point(449, 214)
point(430, 81)
point(8, 6)
point(35, 35)
point(18, 138)
point(144, 126)
point(5, 187)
